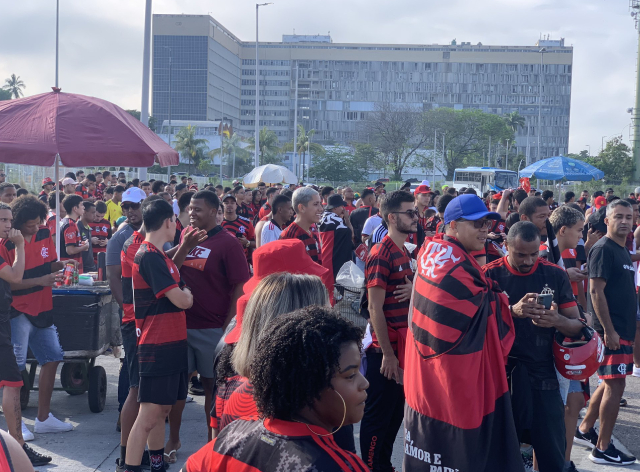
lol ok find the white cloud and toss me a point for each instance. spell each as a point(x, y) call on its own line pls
point(101, 42)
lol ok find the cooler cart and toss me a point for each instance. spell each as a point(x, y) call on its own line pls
point(88, 323)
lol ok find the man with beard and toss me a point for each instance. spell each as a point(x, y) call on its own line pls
point(308, 208)
point(612, 298)
point(458, 410)
point(537, 402)
point(336, 235)
point(216, 269)
point(388, 267)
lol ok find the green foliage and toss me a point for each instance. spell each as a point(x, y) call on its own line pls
point(5, 94)
point(514, 121)
point(136, 115)
point(615, 160)
point(231, 148)
point(14, 85)
point(189, 147)
point(269, 147)
point(367, 158)
point(336, 165)
point(304, 145)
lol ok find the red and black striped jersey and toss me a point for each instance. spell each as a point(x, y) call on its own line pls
point(244, 210)
point(51, 224)
point(240, 227)
point(70, 237)
point(310, 240)
point(239, 404)
point(102, 231)
point(82, 191)
point(273, 446)
point(386, 267)
point(39, 253)
point(337, 241)
point(127, 255)
point(264, 210)
point(99, 192)
point(569, 258)
point(161, 326)
point(223, 392)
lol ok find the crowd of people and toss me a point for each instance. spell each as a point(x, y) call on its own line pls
point(227, 292)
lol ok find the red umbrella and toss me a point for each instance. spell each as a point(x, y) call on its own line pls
point(83, 131)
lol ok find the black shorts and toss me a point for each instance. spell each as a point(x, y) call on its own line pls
point(10, 375)
point(130, 344)
point(164, 390)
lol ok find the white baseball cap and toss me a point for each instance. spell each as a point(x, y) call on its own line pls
point(133, 195)
point(68, 181)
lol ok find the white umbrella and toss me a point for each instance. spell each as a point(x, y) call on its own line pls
point(269, 174)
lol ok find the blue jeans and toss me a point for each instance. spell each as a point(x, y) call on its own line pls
point(44, 342)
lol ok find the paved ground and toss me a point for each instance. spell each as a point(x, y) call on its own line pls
point(93, 445)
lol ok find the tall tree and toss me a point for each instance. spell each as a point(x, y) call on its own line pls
point(190, 147)
point(233, 150)
point(14, 85)
point(367, 158)
point(5, 94)
point(269, 152)
point(466, 135)
point(615, 160)
point(514, 121)
point(304, 145)
point(396, 132)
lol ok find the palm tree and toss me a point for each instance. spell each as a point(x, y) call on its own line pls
point(190, 147)
point(269, 147)
point(14, 85)
point(304, 145)
point(514, 121)
point(230, 147)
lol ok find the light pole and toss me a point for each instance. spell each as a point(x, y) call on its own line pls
point(589, 146)
point(146, 65)
point(222, 136)
point(257, 140)
point(170, 130)
point(542, 51)
point(506, 156)
point(57, 23)
point(295, 132)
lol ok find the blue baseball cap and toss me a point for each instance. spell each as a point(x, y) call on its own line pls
point(468, 206)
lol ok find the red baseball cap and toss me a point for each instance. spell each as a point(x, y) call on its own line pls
point(599, 202)
point(422, 189)
point(47, 180)
point(287, 255)
point(497, 196)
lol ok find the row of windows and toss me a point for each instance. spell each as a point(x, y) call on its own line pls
point(532, 50)
point(266, 103)
point(265, 123)
point(267, 72)
point(267, 93)
point(264, 62)
point(269, 83)
point(263, 112)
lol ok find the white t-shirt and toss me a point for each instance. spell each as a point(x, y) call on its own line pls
point(372, 223)
point(270, 232)
point(176, 208)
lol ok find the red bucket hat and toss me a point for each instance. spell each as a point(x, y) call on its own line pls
point(287, 255)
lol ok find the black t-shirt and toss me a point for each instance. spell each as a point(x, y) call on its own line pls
point(533, 344)
point(5, 294)
point(611, 262)
point(357, 218)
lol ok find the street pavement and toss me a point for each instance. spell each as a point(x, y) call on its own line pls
point(94, 444)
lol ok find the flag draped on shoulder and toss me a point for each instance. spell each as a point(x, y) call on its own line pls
point(458, 409)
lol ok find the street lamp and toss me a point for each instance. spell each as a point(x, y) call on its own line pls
point(542, 51)
point(589, 146)
point(170, 130)
point(257, 150)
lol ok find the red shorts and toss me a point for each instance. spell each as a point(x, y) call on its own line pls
point(617, 364)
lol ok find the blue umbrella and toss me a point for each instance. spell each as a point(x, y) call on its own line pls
point(561, 167)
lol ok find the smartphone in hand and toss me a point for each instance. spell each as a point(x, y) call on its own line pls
point(545, 299)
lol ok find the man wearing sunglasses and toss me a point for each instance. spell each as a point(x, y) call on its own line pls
point(460, 332)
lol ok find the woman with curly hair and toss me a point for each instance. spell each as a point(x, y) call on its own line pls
point(306, 383)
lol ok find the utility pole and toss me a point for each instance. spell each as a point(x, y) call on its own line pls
point(635, 11)
point(146, 66)
point(297, 171)
point(170, 129)
point(256, 156)
point(433, 161)
point(542, 51)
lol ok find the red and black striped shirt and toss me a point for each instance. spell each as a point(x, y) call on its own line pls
point(271, 446)
point(70, 237)
point(386, 267)
point(127, 255)
point(82, 191)
point(102, 231)
point(240, 226)
point(239, 404)
point(39, 253)
point(264, 210)
point(161, 326)
point(310, 240)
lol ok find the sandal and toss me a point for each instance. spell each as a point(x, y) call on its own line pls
point(170, 457)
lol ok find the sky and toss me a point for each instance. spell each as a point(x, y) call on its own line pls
point(101, 42)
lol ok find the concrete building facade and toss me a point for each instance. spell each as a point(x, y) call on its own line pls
point(338, 84)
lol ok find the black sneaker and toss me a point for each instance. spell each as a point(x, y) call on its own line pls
point(571, 467)
point(119, 466)
point(588, 439)
point(146, 461)
point(623, 402)
point(196, 387)
point(35, 457)
point(611, 456)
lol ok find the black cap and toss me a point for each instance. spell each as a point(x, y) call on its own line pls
point(609, 189)
point(380, 184)
point(335, 201)
point(406, 184)
point(230, 195)
point(596, 220)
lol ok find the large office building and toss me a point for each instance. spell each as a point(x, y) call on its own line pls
point(213, 77)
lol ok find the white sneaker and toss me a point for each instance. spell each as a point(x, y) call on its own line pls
point(189, 399)
point(636, 371)
point(26, 434)
point(52, 425)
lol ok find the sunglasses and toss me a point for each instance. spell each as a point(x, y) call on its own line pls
point(479, 224)
point(410, 213)
point(130, 206)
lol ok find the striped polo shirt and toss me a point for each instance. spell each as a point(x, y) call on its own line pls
point(310, 240)
point(127, 255)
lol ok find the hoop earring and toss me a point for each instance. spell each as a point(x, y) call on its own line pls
point(344, 416)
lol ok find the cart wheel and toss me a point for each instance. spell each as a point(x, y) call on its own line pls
point(97, 388)
point(24, 396)
point(73, 377)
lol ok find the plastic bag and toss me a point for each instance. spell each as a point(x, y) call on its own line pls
point(350, 275)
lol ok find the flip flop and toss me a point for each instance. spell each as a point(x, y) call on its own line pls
point(171, 457)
